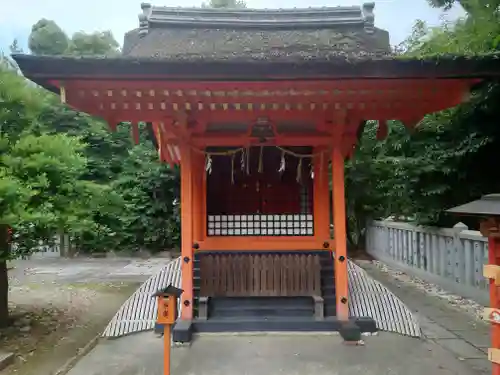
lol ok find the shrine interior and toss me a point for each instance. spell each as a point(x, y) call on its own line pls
point(260, 191)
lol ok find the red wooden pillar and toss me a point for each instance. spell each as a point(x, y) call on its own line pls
point(203, 208)
point(321, 194)
point(340, 235)
point(197, 181)
point(492, 270)
point(187, 231)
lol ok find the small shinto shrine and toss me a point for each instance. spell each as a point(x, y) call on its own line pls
point(260, 108)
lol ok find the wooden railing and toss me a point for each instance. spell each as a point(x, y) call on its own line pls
point(235, 275)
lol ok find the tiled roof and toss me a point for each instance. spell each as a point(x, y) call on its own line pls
point(226, 34)
point(43, 68)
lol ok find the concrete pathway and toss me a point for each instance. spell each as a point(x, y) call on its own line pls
point(455, 331)
point(452, 344)
point(299, 354)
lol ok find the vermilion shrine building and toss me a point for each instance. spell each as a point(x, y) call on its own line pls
point(256, 105)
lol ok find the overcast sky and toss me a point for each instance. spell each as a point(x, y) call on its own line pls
point(119, 16)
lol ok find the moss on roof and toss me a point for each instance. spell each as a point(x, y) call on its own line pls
point(215, 34)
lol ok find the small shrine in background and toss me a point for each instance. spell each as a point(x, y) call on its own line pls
point(487, 209)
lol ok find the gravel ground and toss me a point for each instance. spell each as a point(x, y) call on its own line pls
point(470, 307)
point(59, 305)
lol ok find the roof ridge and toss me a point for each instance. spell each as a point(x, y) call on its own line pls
point(281, 18)
point(250, 10)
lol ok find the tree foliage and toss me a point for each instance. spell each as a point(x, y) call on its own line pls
point(47, 38)
point(150, 190)
point(448, 158)
point(232, 4)
point(62, 171)
point(471, 6)
point(41, 188)
point(140, 210)
point(97, 43)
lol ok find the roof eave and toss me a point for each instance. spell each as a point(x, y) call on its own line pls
point(39, 68)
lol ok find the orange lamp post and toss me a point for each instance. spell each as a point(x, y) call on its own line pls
point(167, 315)
point(488, 210)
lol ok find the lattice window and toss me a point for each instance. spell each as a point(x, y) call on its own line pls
point(261, 225)
point(306, 202)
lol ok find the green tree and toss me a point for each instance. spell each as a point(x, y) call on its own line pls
point(140, 212)
point(151, 192)
point(41, 187)
point(47, 38)
point(455, 147)
point(97, 43)
point(471, 6)
point(232, 4)
point(446, 160)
